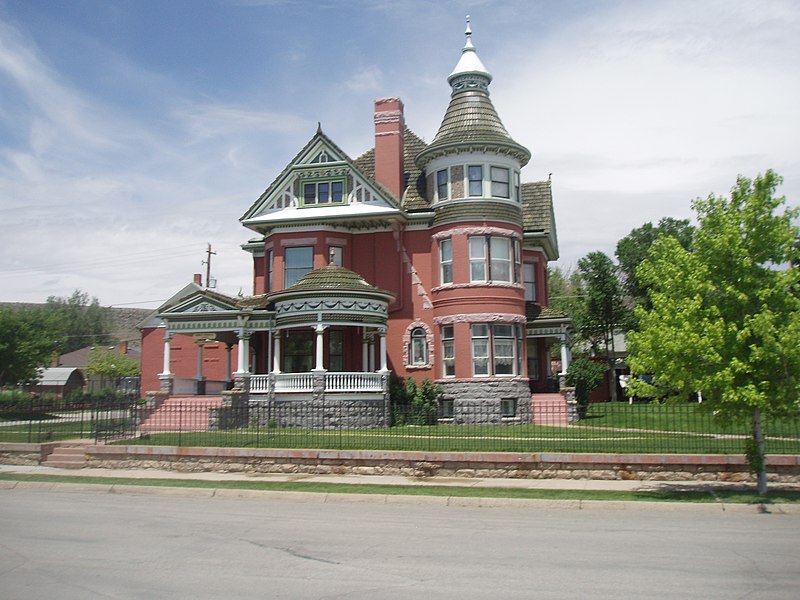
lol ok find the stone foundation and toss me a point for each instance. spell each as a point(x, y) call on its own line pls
point(478, 402)
point(326, 413)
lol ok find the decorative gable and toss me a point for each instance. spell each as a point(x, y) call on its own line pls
point(320, 180)
point(202, 302)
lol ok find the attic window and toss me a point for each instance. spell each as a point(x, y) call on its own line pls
point(322, 157)
point(323, 192)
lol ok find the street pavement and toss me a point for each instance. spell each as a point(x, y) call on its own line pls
point(76, 544)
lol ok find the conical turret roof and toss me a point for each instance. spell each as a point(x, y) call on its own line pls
point(471, 121)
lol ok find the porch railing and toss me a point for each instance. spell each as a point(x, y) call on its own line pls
point(304, 382)
point(353, 382)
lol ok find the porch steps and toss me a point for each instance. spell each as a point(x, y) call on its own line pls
point(549, 409)
point(180, 413)
point(67, 455)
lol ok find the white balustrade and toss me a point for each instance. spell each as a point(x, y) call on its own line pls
point(259, 384)
point(353, 382)
point(304, 382)
point(293, 382)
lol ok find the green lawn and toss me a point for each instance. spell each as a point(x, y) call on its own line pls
point(608, 427)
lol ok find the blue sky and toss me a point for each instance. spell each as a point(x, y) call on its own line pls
point(133, 133)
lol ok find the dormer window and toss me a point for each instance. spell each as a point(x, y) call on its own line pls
point(323, 192)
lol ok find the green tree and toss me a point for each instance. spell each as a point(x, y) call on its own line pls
point(603, 312)
point(29, 339)
point(84, 322)
point(725, 316)
point(633, 248)
point(584, 375)
point(112, 364)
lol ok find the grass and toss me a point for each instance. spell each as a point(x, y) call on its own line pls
point(608, 428)
point(666, 495)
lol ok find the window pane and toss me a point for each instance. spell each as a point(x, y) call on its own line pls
point(336, 255)
point(419, 347)
point(298, 262)
point(446, 253)
point(475, 180)
point(501, 259)
point(448, 351)
point(477, 247)
point(309, 193)
point(499, 182)
point(477, 258)
point(530, 282)
point(337, 188)
point(323, 193)
point(441, 184)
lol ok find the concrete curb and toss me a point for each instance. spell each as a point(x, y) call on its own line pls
point(354, 498)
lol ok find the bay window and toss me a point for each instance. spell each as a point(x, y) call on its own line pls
point(494, 258)
point(495, 349)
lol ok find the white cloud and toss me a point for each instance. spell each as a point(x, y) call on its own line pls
point(639, 109)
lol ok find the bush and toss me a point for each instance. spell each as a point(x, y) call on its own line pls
point(414, 404)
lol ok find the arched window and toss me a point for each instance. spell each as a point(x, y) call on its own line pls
point(419, 347)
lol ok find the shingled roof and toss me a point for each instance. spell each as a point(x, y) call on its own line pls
point(537, 206)
point(414, 195)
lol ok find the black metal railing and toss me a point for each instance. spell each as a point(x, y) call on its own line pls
point(42, 418)
point(485, 426)
point(369, 424)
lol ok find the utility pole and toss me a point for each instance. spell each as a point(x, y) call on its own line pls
point(207, 263)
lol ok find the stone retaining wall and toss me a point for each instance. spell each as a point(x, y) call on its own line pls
point(656, 467)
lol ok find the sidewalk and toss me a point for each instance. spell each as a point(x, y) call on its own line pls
point(468, 482)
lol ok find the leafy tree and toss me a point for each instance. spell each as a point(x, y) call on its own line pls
point(29, 339)
point(633, 249)
point(584, 375)
point(84, 322)
point(725, 315)
point(603, 312)
point(111, 364)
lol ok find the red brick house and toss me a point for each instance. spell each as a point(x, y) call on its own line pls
point(423, 260)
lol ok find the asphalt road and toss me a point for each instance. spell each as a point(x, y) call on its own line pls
point(87, 545)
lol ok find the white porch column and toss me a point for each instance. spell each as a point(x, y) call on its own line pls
point(319, 346)
point(199, 360)
point(384, 363)
point(566, 355)
point(364, 350)
point(167, 338)
point(276, 352)
point(243, 352)
point(228, 349)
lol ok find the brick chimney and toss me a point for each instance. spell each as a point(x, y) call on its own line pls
point(198, 279)
point(389, 144)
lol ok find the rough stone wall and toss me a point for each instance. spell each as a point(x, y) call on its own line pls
point(479, 402)
point(325, 413)
point(418, 464)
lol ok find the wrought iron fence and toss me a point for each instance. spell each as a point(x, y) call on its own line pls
point(42, 418)
point(607, 427)
point(364, 424)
